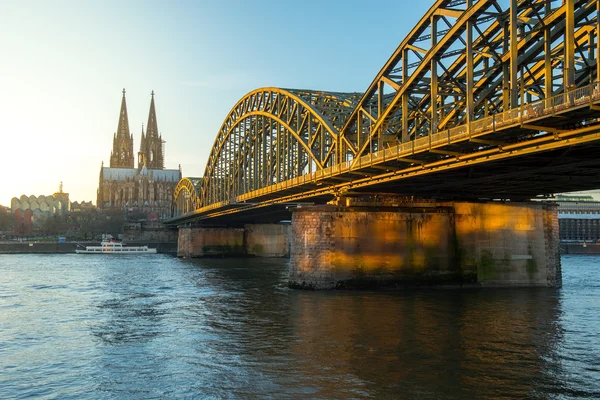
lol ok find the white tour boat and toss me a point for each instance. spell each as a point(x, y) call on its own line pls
point(115, 248)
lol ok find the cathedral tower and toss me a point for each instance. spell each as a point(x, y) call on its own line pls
point(122, 152)
point(145, 192)
point(151, 146)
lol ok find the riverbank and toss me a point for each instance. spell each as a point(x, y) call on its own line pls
point(65, 248)
point(171, 247)
point(580, 248)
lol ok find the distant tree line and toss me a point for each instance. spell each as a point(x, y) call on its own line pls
point(87, 224)
point(7, 221)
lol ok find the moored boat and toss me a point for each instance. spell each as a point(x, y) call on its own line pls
point(115, 248)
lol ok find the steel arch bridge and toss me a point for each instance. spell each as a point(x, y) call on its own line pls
point(186, 194)
point(483, 98)
point(273, 135)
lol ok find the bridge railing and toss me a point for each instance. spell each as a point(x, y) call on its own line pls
point(559, 102)
point(544, 107)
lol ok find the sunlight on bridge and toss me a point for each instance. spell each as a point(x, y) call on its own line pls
point(483, 99)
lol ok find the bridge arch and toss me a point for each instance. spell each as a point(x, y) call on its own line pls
point(185, 195)
point(272, 135)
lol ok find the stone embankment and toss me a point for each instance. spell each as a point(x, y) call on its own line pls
point(580, 248)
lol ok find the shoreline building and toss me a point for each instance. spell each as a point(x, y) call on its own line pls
point(30, 211)
point(578, 218)
point(146, 190)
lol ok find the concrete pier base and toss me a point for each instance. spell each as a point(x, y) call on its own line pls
point(260, 240)
point(267, 240)
point(477, 244)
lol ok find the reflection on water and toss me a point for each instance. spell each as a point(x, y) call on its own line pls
point(160, 327)
point(430, 344)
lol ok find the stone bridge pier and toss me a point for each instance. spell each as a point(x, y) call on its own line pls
point(489, 244)
point(260, 240)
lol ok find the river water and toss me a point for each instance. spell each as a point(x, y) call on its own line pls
point(157, 327)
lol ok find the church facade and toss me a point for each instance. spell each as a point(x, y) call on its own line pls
point(145, 190)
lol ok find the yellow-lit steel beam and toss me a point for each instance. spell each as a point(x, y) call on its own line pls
point(552, 17)
point(448, 12)
point(434, 78)
point(398, 54)
point(477, 158)
point(390, 82)
point(569, 73)
point(548, 81)
point(218, 146)
point(186, 185)
point(415, 48)
point(470, 66)
point(275, 104)
point(597, 40)
point(540, 145)
point(402, 94)
point(514, 55)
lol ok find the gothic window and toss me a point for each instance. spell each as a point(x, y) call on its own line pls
point(151, 155)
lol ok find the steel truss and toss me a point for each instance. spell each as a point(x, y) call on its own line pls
point(273, 135)
point(466, 67)
point(186, 195)
point(466, 60)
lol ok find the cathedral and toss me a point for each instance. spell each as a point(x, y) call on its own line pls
point(143, 191)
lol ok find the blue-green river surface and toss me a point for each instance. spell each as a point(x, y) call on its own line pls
point(158, 327)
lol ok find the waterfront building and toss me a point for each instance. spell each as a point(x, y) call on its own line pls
point(578, 218)
point(145, 191)
point(77, 207)
point(31, 211)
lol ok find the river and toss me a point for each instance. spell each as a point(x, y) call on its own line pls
point(158, 327)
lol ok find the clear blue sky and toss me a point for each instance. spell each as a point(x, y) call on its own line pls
point(64, 64)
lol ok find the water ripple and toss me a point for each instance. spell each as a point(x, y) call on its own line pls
point(106, 328)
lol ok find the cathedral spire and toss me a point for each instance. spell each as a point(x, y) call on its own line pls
point(152, 127)
point(123, 128)
point(152, 146)
point(122, 152)
point(143, 140)
point(142, 152)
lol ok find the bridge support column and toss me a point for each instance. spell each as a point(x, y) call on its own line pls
point(260, 240)
point(267, 240)
point(208, 241)
point(475, 244)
